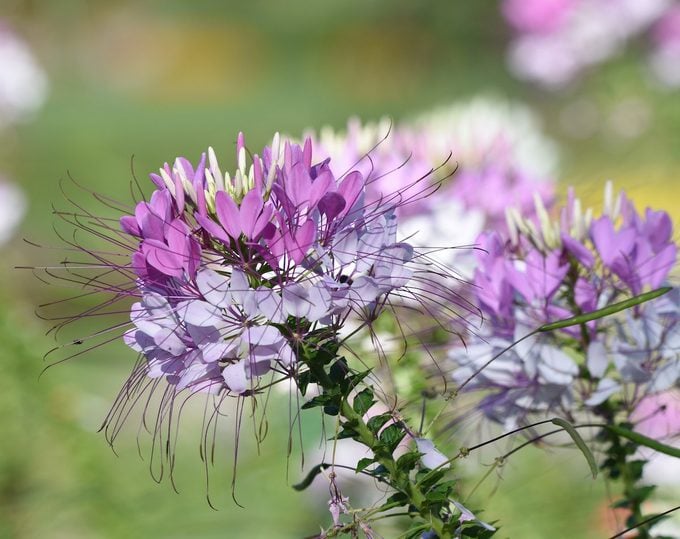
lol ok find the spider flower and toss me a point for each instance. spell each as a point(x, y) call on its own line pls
point(234, 270)
point(464, 151)
point(557, 40)
point(550, 270)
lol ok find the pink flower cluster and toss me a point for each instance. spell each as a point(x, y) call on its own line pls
point(234, 271)
point(546, 271)
point(557, 40)
point(463, 152)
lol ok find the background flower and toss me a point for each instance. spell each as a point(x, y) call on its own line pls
point(547, 271)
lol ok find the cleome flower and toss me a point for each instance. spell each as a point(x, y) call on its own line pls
point(556, 41)
point(234, 270)
point(549, 270)
point(462, 151)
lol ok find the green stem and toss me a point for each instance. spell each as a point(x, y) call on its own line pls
point(398, 480)
point(629, 479)
point(634, 504)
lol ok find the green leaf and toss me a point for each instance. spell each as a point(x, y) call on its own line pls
point(587, 453)
point(606, 311)
point(408, 461)
point(391, 437)
point(380, 470)
point(640, 439)
point(338, 371)
point(355, 379)
point(316, 470)
point(363, 401)
point(319, 400)
point(434, 497)
point(331, 409)
point(303, 382)
point(397, 497)
point(363, 464)
point(640, 494)
point(376, 422)
point(426, 479)
point(416, 531)
point(346, 432)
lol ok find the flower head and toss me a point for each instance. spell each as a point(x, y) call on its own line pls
point(550, 270)
point(463, 152)
point(233, 268)
point(556, 40)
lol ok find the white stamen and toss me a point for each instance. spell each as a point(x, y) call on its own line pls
point(512, 226)
point(238, 185)
point(242, 160)
point(188, 188)
point(577, 228)
point(168, 181)
point(215, 169)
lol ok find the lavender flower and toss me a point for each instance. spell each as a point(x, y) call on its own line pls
point(546, 271)
point(489, 144)
point(557, 40)
point(224, 264)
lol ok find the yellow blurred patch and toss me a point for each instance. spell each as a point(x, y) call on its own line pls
point(172, 59)
point(654, 187)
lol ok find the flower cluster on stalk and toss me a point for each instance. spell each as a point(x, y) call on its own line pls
point(545, 271)
point(234, 270)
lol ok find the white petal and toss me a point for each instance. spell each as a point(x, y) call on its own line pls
point(597, 359)
point(214, 287)
point(605, 389)
point(431, 458)
point(235, 377)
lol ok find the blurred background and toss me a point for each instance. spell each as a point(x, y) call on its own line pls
point(87, 85)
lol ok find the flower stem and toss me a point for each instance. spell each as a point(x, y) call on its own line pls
point(398, 479)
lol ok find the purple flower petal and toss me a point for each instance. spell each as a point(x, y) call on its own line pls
point(228, 214)
point(251, 207)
